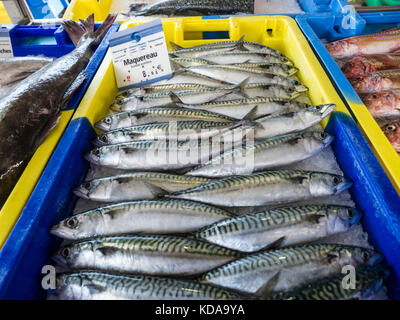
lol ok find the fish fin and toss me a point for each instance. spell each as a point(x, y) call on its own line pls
point(241, 87)
point(95, 288)
point(268, 288)
point(274, 245)
point(76, 31)
point(155, 189)
point(240, 44)
point(107, 251)
point(72, 89)
point(316, 218)
point(331, 258)
point(251, 115)
point(175, 46)
point(175, 99)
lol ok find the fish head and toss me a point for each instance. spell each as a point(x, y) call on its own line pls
point(105, 156)
point(341, 218)
point(103, 139)
point(356, 67)
point(362, 256)
point(105, 124)
point(324, 184)
point(95, 189)
point(313, 115)
point(68, 228)
point(318, 140)
point(371, 280)
point(82, 225)
point(342, 48)
point(290, 71)
point(299, 87)
point(71, 286)
point(381, 104)
point(76, 255)
point(392, 132)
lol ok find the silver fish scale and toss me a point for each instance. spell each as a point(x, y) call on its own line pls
point(278, 258)
point(274, 217)
point(331, 288)
point(180, 125)
point(257, 178)
point(159, 244)
point(251, 101)
point(161, 204)
point(137, 286)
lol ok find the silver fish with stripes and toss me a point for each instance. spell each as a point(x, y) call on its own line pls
point(266, 188)
point(280, 227)
point(266, 154)
point(157, 115)
point(283, 123)
point(257, 107)
point(142, 216)
point(152, 254)
point(290, 267)
point(95, 285)
point(136, 186)
point(179, 131)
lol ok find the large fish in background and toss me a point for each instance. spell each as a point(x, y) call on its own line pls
point(30, 112)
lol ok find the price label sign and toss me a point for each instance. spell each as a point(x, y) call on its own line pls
point(140, 55)
point(6, 50)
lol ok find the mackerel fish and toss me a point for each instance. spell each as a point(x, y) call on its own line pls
point(179, 131)
point(143, 216)
point(223, 46)
point(157, 155)
point(244, 57)
point(283, 123)
point(152, 254)
point(235, 75)
point(266, 188)
point(94, 285)
point(136, 186)
point(158, 115)
point(369, 281)
point(284, 226)
point(266, 154)
point(289, 268)
point(159, 88)
point(256, 107)
point(168, 98)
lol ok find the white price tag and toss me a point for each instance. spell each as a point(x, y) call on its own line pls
point(6, 50)
point(140, 55)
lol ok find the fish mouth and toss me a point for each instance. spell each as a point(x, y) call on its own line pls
point(292, 71)
point(101, 126)
point(327, 109)
point(81, 193)
point(91, 158)
point(328, 140)
point(60, 232)
point(355, 219)
point(98, 142)
point(343, 186)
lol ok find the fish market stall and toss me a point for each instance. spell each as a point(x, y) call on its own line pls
point(39, 45)
point(317, 173)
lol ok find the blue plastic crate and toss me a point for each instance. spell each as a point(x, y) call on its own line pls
point(323, 6)
point(46, 9)
point(53, 41)
point(385, 238)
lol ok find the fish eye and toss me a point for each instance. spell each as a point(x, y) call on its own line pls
point(66, 252)
point(374, 96)
point(366, 255)
point(337, 180)
point(108, 120)
point(324, 135)
point(97, 152)
point(318, 107)
point(350, 213)
point(104, 138)
point(72, 223)
point(391, 127)
point(87, 185)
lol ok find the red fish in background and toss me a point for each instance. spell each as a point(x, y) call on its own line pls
point(377, 81)
point(383, 105)
point(382, 42)
point(362, 65)
point(392, 132)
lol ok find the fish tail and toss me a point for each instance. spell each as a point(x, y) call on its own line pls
point(78, 32)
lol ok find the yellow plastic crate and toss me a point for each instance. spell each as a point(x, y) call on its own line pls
point(80, 9)
point(278, 32)
point(4, 18)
